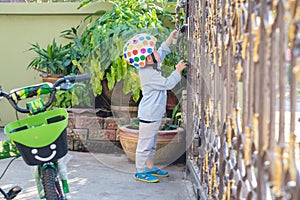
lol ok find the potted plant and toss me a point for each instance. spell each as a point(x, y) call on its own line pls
point(101, 44)
point(171, 139)
point(170, 144)
point(54, 61)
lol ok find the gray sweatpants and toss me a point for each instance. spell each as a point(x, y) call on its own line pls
point(146, 147)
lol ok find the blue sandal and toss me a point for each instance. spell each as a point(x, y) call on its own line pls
point(157, 172)
point(145, 177)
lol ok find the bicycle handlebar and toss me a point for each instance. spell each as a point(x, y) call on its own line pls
point(81, 77)
point(37, 90)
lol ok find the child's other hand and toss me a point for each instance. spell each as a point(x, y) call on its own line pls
point(180, 66)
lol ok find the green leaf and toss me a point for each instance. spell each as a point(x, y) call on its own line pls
point(102, 40)
point(136, 95)
point(110, 81)
point(84, 3)
point(126, 86)
point(119, 69)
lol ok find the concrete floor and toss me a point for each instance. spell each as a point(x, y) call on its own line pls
point(101, 177)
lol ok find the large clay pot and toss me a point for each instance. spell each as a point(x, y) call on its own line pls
point(124, 111)
point(172, 100)
point(170, 145)
point(123, 105)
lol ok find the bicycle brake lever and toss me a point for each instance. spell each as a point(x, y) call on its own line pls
point(68, 86)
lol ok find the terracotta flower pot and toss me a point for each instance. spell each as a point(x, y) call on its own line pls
point(170, 145)
point(123, 105)
point(172, 100)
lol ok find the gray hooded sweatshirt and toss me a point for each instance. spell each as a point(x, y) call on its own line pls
point(154, 89)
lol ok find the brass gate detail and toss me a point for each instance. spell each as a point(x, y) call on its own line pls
point(244, 58)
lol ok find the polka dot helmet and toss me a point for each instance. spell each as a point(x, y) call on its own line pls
point(138, 48)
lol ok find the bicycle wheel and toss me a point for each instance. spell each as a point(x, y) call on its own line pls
point(51, 184)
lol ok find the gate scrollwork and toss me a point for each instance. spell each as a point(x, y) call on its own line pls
point(244, 58)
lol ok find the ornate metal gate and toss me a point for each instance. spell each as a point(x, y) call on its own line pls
point(242, 99)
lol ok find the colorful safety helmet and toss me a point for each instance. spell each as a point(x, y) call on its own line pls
point(138, 48)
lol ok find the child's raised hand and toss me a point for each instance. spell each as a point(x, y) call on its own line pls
point(180, 66)
point(172, 37)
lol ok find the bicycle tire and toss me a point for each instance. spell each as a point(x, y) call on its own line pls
point(51, 184)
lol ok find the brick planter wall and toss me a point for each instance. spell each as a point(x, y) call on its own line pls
point(88, 132)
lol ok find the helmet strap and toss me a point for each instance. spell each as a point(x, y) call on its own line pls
point(153, 58)
point(154, 65)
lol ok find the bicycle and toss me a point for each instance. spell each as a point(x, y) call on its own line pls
point(41, 137)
